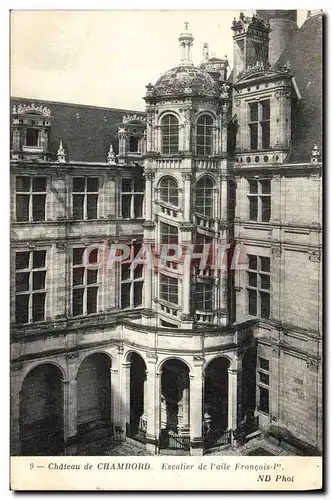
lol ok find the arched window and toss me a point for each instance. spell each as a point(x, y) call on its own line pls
point(204, 196)
point(204, 135)
point(169, 135)
point(169, 191)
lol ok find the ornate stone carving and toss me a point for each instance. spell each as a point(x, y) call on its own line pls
point(24, 108)
point(315, 155)
point(61, 246)
point(312, 364)
point(61, 155)
point(134, 117)
point(111, 156)
point(276, 351)
point(120, 349)
point(276, 250)
point(149, 176)
point(314, 176)
point(276, 177)
point(186, 176)
point(314, 256)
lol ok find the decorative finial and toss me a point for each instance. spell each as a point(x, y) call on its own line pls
point(61, 155)
point(186, 24)
point(315, 154)
point(111, 155)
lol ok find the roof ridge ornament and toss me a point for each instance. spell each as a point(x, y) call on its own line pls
point(315, 155)
point(111, 156)
point(61, 154)
point(186, 42)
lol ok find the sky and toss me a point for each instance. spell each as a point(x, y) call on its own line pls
point(107, 57)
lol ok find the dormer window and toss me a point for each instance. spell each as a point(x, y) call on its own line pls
point(133, 144)
point(31, 137)
point(259, 125)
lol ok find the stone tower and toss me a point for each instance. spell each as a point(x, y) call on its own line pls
point(186, 192)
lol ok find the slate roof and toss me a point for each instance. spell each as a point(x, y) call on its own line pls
point(85, 131)
point(306, 59)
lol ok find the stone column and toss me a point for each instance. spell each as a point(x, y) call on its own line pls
point(15, 389)
point(149, 177)
point(232, 398)
point(70, 405)
point(153, 406)
point(224, 129)
point(186, 177)
point(196, 407)
point(184, 402)
point(143, 418)
point(125, 393)
point(116, 397)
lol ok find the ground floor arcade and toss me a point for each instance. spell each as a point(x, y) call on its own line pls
point(166, 402)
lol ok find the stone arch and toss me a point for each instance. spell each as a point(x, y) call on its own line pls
point(174, 400)
point(172, 112)
point(41, 420)
point(219, 355)
point(94, 394)
point(208, 176)
point(203, 112)
point(178, 358)
point(30, 367)
point(138, 396)
point(85, 355)
point(216, 395)
point(168, 186)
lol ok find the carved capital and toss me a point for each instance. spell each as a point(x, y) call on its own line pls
point(314, 176)
point(276, 177)
point(276, 351)
point(61, 246)
point(314, 256)
point(312, 364)
point(152, 357)
point(186, 176)
point(149, 176)
point(276, 250)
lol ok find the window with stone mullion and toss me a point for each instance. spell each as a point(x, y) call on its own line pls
point(204, 136)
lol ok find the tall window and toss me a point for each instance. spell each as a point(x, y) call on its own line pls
point(132, 194)
point(169, 289)
point(85, 282)
point(204, 196)
point(263, 383)
point(30, 286)
point(169, 191)
point(85, 197)
point(258, 286)
point(168, 234)
point(131, 281)
point(259, 200)
point(30, 198)
point(169, 129)
point(259, 125)
point(204, 296)
point(204, 131)
point(31, 137)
